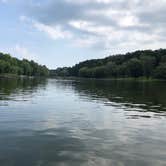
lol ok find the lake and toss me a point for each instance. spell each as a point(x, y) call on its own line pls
point(60, 122)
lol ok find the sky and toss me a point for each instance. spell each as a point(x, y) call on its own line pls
point(60, 33)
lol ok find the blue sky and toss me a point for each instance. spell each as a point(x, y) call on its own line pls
point(64, 32)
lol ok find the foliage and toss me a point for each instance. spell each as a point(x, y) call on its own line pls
point(12, 65)
point(160, 71)
point(134, 68)
point(146, 63)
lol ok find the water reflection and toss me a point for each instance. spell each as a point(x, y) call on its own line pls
point(82, 122)
point(141, 99)
point(12, 89)
point(148, 95)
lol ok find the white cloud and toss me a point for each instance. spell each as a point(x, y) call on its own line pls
point(123, 18)
point(110, 37)
point(22, 52)
point(91, 27)
point(108, 23)
point(128, 20)
point(54, 32)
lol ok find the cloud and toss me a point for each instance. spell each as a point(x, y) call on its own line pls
point(89, 1)
point(22, 52)
point(54, 32)
point(108, 23)
point(86, 42)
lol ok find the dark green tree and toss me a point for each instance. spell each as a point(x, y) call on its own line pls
point(12, 65)
point(160, 71)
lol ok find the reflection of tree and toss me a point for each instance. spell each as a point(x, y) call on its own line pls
point(146, 93)
point(17, 85)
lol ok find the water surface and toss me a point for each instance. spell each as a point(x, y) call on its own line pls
point(58, 122)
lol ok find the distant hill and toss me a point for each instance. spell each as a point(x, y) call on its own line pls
point(11, 65)
point(147, 63)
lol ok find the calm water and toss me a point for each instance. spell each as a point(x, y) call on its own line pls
point(82, 123)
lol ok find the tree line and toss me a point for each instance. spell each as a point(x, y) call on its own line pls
point(11, 65)
point(147, 63)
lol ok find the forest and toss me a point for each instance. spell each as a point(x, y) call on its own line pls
point(146, 63)
point(11, 65)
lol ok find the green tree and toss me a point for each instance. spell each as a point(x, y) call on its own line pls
point(98, 72)
point(2, 66)
point(134, 67)
point(27, 70)
point(85, 72)
point(160, 71)
point(111, 69)
point(148, 65)
point(12, 65)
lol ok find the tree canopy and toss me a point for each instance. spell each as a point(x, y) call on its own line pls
point(11, 65)
point(145, 63)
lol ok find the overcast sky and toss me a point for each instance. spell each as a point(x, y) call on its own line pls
point(64, 32)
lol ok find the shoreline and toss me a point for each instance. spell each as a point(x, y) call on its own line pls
point(140, 79)
point(12, 76)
